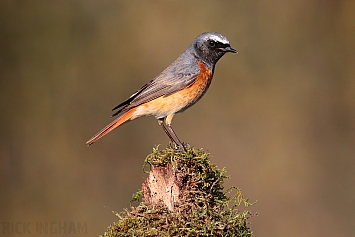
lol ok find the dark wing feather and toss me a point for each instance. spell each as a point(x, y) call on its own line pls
point(174, 78)
point(126, 102)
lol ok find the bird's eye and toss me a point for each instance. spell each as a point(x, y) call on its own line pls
point(212, 43)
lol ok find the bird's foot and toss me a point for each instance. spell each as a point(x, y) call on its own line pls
point(179, 147)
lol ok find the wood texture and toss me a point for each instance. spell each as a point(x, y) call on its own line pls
point(164, 185)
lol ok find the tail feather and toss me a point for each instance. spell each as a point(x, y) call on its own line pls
point(114, 124)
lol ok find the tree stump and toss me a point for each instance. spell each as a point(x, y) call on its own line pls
point(183, 195)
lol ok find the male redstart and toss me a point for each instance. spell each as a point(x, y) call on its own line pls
point(174, 90)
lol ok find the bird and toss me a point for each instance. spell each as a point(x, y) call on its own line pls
point(175, 89)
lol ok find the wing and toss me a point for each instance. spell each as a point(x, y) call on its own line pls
point(176, 77)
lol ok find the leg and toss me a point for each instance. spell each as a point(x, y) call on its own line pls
point(170, 132)
point(177, 140)
point(162, 124)
point(168, 120)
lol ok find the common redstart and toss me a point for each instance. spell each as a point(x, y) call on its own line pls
point(174, 90)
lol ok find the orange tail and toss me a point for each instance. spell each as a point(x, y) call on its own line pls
point(114, 124)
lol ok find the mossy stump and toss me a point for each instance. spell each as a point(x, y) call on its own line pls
point(183, 195)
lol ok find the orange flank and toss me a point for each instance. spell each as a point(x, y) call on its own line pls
point(179, 101)
point(114, 124)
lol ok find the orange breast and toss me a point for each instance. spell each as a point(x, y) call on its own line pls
point(180, 100)
point(194, 92)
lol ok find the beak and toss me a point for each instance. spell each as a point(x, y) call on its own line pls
point(229, 49)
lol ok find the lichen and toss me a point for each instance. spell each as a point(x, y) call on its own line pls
point(207, 208)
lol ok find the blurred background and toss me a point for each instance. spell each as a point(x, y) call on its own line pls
point(280, 115)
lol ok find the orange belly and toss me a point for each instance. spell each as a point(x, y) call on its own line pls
point(180, 100)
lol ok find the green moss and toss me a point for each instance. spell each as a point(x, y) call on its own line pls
point(137, 196)
point(206, 210)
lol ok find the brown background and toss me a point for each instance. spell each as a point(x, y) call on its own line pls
point(280, 115)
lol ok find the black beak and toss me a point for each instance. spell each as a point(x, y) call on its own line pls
point(229, 49)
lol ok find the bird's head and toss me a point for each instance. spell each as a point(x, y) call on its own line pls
point(211, 46)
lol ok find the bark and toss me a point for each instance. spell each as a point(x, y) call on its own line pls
point(163, 186)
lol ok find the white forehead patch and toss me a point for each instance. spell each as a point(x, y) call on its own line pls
point(218, 38)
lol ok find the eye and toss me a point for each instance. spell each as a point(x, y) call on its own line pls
point(212, 43)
